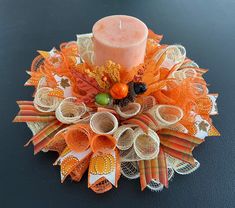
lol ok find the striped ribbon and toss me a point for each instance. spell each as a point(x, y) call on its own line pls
point(28, 113)
point(179, 145)
point(43, 137)
point(155, 169)
point(144, 121)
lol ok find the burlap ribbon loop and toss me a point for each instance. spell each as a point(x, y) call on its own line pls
point(103, 123)
point(136, 144)
point(70, 112)
point(128, 111)
point(124, 137)
point(44, 102)
point(166, 115)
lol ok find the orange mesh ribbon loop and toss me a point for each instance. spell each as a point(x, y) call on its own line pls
point(78, 137)
point(102, 142)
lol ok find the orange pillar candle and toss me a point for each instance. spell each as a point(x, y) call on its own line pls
point(121, 39)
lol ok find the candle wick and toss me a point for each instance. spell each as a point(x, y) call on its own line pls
point(120, 24)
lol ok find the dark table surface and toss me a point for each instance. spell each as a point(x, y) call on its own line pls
point(205, 27)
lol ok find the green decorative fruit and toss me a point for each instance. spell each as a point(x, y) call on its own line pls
point(102, 98)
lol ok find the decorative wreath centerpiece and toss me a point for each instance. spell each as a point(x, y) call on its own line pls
point(140, 123)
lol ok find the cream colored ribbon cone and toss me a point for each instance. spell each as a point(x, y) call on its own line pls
point(166, 115)
point(124, 137)
point(70, 112)
point(144, 146)
point(103, 123)
point(44, 102)
point(128, 111)
point(147, 102)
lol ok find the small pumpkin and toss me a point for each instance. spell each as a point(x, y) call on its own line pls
point(119, 90)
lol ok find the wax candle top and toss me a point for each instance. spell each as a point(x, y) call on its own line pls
point(120, 31)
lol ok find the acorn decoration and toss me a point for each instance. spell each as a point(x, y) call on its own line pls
point(134, 89)
point(139, 88)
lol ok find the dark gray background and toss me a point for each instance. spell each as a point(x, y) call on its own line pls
point(205, 27)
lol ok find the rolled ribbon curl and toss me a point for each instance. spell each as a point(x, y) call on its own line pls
point(147, 102)
point(166, 115)
point(124, 137)
point(128, 111)
point(184, 73)
point(103, 123)
point(102, 142)
point(69, 111)
point(77, 137)
point(174, 55)
point(45, 103)
point(146, 145)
